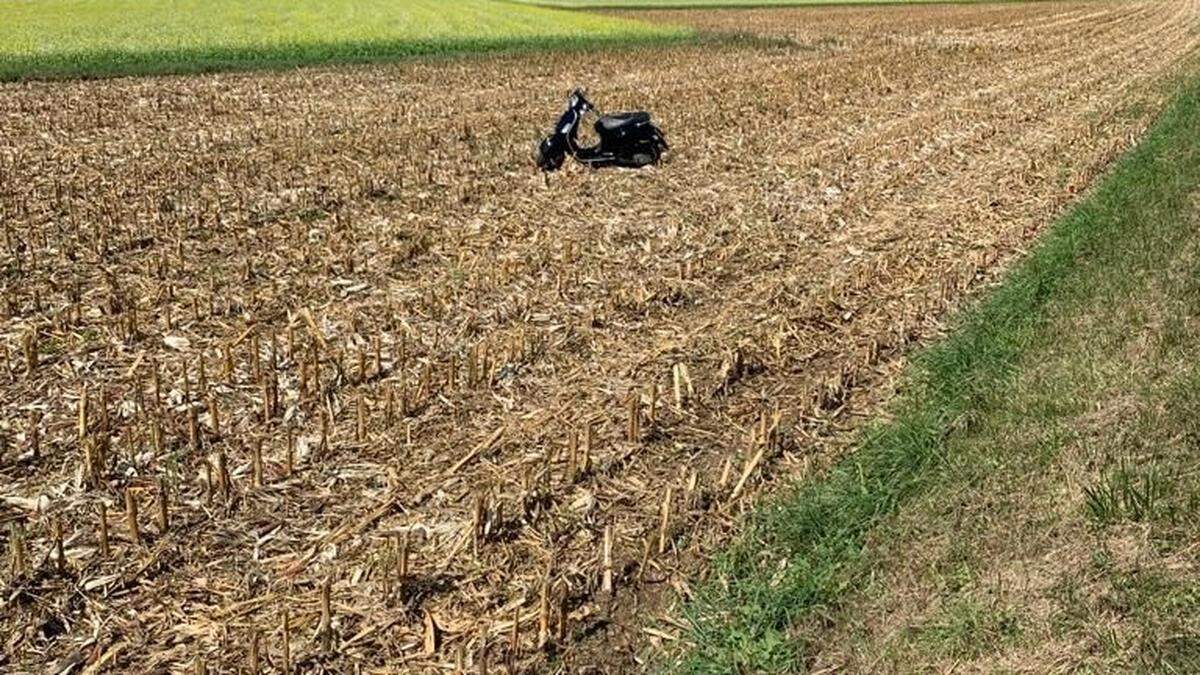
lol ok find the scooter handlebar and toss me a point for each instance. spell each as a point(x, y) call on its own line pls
point(578, 99)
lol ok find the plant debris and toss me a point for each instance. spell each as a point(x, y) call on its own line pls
point(309, 371)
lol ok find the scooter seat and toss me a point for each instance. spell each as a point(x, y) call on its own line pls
point(621, 121)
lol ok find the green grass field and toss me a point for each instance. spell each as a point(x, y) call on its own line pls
point(63, 38)
point(1034, 498)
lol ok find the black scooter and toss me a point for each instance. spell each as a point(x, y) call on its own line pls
point(626, 139)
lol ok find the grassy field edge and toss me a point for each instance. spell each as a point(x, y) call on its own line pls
point(98, 64)
point(658, 5)
point(802, 552)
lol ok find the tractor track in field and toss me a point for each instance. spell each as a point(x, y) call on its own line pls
point(430, 323)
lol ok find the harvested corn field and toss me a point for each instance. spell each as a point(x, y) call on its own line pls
point(311, 371)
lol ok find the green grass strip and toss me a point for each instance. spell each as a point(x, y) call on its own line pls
point(801, 552)
point(97, 38)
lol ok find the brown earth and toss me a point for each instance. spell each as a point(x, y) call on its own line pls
point(361, 265)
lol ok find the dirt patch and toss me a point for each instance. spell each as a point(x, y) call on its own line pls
point(357, 269)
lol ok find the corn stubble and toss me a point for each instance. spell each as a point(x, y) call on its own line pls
point(298, 381)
